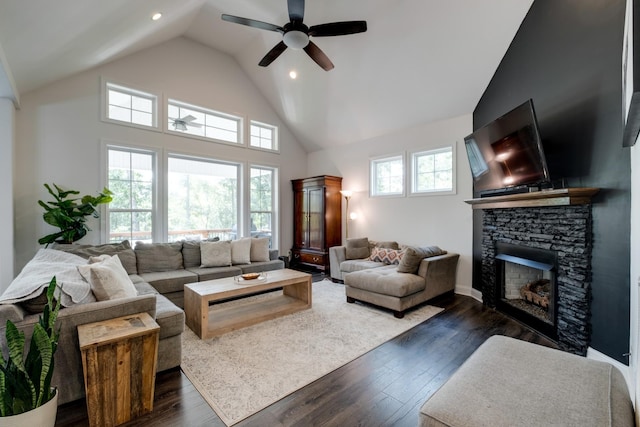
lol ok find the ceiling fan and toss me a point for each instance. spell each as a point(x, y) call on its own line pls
point(184, 123)
point(295, 34)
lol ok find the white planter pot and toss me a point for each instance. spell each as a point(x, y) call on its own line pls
point(42, 416)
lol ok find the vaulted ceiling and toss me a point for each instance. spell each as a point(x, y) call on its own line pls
point(419, 61)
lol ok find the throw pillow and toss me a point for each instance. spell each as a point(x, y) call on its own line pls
point(414, 255)
point(191, 256)
point(108, 278)
point(156, 257)
point(387, 256)
point(241, 251)
point(215, 254)
point(259, 249)
point(357, 248)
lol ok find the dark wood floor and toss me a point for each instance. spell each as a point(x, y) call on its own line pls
point(384, 387)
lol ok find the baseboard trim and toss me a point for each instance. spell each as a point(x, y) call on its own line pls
point(468, 292)
point(624, 369)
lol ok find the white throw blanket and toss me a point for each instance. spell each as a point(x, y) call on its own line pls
point(37, 274)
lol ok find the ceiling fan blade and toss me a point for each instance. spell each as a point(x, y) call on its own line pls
point(252, 23)
point(318, 56)
point(296, 10)
point(188, 118)
point(273, 54)
point(338, 28)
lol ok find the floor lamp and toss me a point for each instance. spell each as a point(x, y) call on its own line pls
point(347, 195)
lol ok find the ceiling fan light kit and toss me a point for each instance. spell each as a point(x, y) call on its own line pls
point(295, 34)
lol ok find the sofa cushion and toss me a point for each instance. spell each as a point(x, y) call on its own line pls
point(383, 244)
point(169, 317)
point(211, 273)
point(123, 249)
point(386, 281)
point(386, 256)
point(258, 267)
point(413, 255)
point(259, 249)
point(352, 265)
point(157, 257)
point(215, 254)
point(357, 248)
point(169, 281)
point(241, 251)
point(191, 256)
point(108, 278)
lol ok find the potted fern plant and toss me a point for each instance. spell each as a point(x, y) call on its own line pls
point(26, 395)
point(70, 214)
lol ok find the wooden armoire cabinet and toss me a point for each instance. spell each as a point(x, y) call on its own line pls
point(317, 220)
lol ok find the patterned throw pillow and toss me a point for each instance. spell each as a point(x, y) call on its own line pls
point(387, 256)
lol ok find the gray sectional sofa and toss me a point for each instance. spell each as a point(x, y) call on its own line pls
point(159, 272)
point(392, 276)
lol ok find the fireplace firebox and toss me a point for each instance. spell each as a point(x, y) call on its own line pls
point(526, 285)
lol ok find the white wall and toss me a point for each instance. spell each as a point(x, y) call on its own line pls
point(59, 130)
point(7, 124)
point(443, 220)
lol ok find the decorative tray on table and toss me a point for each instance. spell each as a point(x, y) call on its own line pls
point(251, 278)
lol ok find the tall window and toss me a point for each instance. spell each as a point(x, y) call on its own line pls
point(131, 179)
point(198, 121)
point(387, 176)
point(130, 106)
point(262, 201)
point(202, 198)
point(264, 136)
point(433, 171)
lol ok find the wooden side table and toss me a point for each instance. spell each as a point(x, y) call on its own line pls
point(119, 359)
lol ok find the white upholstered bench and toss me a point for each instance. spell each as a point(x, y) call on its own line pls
point(508, 382)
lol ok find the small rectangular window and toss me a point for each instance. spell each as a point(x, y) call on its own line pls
point(130, 106)
point(204, 123)
point(264, 136)
point(387, 176)
point(433, 171)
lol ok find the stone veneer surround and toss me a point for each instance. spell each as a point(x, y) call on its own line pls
point(564, 229)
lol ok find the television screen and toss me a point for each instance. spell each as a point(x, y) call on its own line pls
point(507, 152)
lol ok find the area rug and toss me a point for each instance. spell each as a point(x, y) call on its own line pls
point(244, 371)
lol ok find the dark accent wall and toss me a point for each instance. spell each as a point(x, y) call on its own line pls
point(566, 56)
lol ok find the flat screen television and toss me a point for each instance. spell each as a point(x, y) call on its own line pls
point(506, 155)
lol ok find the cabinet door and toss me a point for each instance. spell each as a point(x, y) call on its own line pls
point(316, 218)
point(301, 228)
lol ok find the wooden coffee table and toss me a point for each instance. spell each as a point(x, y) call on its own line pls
point(208, 321)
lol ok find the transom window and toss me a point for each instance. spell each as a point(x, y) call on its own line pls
point(433, 171)
point(131, 179)
point(263, 136)
point(131, 106)
point(199, 121)
point(387, 176)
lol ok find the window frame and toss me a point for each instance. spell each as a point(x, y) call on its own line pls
point(155, 99)
point(373, 162)
point(240, 120)
point(156, 225)
point(275, 142)
point(413, 170)
point(275, 200)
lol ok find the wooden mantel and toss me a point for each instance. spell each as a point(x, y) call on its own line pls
point(560, 197)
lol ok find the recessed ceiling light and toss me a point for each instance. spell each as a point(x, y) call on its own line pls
point(156, 16)
point(293, 74)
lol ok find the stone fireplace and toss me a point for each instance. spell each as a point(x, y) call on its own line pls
point(526, 242)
